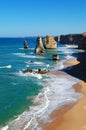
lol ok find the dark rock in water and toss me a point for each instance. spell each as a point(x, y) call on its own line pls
point(55, 57)
point(31, 61)
point(49, 42)
point(27, 70)
point(40, 71)
point(82, 42)
point(25, 44)
point(39, 46)
point(43, 71)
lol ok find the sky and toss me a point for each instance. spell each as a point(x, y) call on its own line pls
point(19, 18)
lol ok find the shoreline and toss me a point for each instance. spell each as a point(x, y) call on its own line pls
point(64, 106)
point(72, 116)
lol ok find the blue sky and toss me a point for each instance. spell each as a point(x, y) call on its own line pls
point(41, 17)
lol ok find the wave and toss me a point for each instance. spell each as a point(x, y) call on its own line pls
point(37, 63)
point(68, 57)
point(27, 49)
point(28, 74)
point(8, 66)
point(59, 65)
point(5, 128)
point(57, 91)
point(71, 46)
point(24, 55)
point(28, 63)
point(27, 56)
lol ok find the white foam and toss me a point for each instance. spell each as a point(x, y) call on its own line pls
point(27, 56)
point(27, 66)
point(20, 73)
point(8, 66)
point(24, 55)
point(47, 65)
point(26, 49)
point(68, 57)
point(72, 46)
point(32, 62)
point(5, 128)
point(59, 65)
point(57, 92)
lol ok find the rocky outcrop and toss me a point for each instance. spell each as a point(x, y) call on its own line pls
point(25, 44)
point(82, 42)
point(43, 71)
point(55, 57)
point(49, 42)
point(39, 46)
point(39, 71)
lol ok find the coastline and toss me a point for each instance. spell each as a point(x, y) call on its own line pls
point(65, 100)
point(71, 116)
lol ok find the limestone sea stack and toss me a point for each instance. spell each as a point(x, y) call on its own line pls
point(25, 44)
point(39, 46)
point(49, 42)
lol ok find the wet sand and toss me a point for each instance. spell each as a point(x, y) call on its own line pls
point(73, 116)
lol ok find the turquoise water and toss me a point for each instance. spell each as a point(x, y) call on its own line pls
point(16, 90)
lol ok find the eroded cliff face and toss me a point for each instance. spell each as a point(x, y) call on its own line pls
point(76, 39)
point(82, 41)
point(49, 42)
point(78, 70)
point(39, 46)
point(68, 39)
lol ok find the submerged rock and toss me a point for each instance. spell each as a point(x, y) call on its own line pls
point(43, 71)
point(39, 46)
point(25, 44)
point(39, 71)
point(49, 42)
point(55, 57)
point(28, 70)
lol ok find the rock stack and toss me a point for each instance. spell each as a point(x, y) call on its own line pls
point(25, 44)
point(39, 46)
point(49, 42)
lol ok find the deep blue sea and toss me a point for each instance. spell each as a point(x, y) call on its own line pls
point(23, 95)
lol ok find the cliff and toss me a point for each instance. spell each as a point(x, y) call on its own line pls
point(79, 70)
point(68, 39)
point(82, 41)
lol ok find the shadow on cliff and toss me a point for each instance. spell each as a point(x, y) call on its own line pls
point(78, 71)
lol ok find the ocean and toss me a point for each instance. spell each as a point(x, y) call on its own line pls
point(27, 98)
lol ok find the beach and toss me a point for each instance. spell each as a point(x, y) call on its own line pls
point(39, 99)
point(72, 116)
